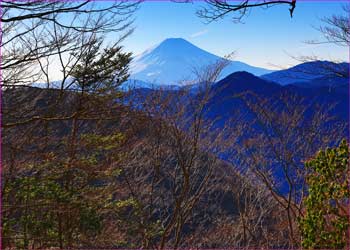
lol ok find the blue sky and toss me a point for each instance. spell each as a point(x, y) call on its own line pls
point(266, 38)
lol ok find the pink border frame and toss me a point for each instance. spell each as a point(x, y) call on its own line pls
point(233, 248)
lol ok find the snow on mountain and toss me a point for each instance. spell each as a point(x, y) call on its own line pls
point(174, 61)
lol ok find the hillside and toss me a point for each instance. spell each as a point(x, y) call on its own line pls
point(120, 182)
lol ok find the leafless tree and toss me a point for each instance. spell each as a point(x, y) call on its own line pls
point(151, 156)
point(170, 167)
point(38, 37)
point(61, 139)
point(218, 9)
point(174, 174)
point(49, 134)
point(336, 28)
point(275, 143)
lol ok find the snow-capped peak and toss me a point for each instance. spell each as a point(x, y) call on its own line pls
point(174, 61)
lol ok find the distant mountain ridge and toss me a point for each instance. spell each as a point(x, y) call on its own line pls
point(312, 74)
point(174, 61)
point(227, 107)
point(244, 82)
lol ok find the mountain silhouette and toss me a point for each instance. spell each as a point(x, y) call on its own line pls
point(311, 74)
point(173, 62)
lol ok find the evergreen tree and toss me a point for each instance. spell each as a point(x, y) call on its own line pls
point(326, 221)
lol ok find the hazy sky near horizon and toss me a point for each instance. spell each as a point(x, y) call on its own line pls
point(266, 38)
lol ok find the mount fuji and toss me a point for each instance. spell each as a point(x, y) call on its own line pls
point(174, 61)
